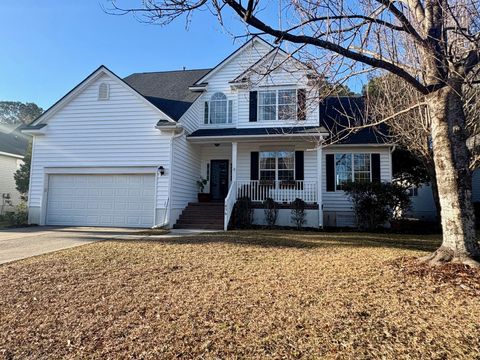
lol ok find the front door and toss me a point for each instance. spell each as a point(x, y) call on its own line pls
point(219, 179)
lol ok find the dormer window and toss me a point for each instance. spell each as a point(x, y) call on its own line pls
point(218, 110)
point(103, 91)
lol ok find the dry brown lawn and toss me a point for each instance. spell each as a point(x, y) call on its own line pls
point(252, 294)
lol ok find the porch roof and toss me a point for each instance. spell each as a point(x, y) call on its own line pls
point(259, 132)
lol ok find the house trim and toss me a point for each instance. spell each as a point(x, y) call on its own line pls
point(240, 137)
point(101, 170)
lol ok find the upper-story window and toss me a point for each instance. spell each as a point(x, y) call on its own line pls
point(218, 110)
point(277, 105)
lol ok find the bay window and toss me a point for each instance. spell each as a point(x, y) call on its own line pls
point(277, 105)
point(352, 167)
point(277, 165)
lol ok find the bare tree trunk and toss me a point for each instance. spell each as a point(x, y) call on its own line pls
point(433, 183)
point(453, 178)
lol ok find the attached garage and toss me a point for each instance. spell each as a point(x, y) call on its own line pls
point(122, 200)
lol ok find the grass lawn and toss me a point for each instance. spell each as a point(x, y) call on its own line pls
point(252, 294)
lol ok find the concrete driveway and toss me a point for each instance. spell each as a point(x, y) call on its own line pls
point(22, 243)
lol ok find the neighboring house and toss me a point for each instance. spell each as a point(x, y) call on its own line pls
point(13, 146)
point(129, 152)
point(423, 206)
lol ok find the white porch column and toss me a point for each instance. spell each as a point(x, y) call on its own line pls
point(319, 185)
point(234, 161)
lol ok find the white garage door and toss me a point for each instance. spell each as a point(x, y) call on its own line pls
point(101, 200)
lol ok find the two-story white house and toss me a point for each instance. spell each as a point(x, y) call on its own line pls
point(129, 152)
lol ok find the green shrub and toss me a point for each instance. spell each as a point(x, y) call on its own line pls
point(271, 211)
point(298, 212)
point(376, 203)
point(243, 213)
point(18, 217)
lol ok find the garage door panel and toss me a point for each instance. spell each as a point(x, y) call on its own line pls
point(101, 200)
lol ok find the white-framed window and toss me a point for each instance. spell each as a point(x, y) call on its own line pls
point(277, 165)
point(278, 104)
point(352, 167)
point(362, 168)
point(103, 91)
point(218, 110)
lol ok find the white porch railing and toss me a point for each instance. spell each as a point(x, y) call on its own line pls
point(279, 191)
point(229, 204)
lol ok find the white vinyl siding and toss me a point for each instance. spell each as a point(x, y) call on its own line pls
point(8, 166)
point(186, 171)
point(119, 132)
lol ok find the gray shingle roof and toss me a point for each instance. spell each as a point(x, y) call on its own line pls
point(338, 113)
point(168, 90)
point(13, 142)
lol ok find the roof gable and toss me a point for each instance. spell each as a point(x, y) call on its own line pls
point(102, 70)
point(254, 41)
point(275, 60)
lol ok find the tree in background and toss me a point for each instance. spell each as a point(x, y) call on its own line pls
point(14, 113)
point(22, 175)
point(433, 46)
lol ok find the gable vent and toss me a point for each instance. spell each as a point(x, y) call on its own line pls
point(103, 91)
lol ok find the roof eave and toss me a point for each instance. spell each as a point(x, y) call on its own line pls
point(255, 137)
point(18, 156)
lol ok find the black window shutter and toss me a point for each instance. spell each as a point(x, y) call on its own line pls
point(330, 164)
point(376, 176)
point(299, 165)
point(205, 113)
point(301, 104)
point(254, 165)
point(253, 107)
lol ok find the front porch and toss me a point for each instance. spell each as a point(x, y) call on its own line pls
point(280, 169)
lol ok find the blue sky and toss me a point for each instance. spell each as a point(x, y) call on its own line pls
point(49, 46)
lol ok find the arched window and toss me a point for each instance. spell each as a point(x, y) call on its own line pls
point(218, 108)
point(103, 91)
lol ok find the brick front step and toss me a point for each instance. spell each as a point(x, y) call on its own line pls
point(208, 216)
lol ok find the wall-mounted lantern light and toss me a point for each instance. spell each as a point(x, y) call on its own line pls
point(161, 169)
